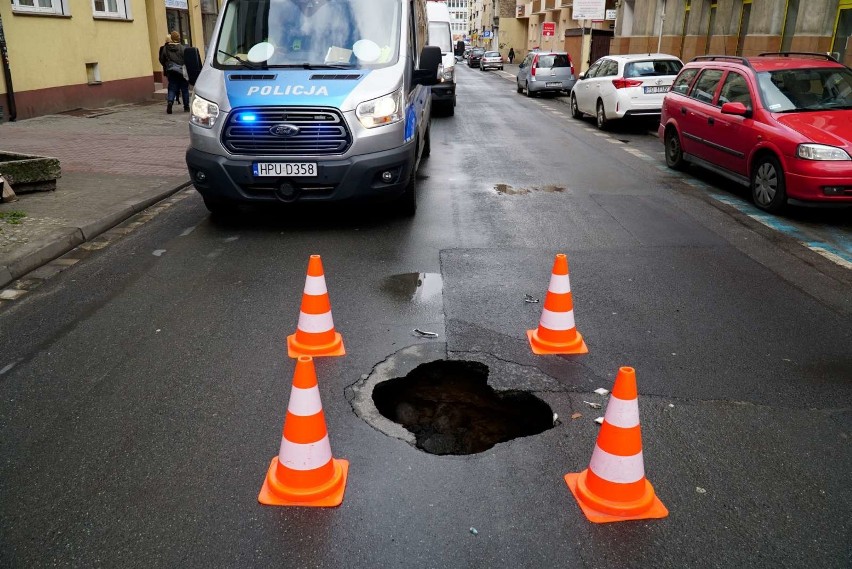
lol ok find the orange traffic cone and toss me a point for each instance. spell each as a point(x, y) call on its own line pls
point(556, 332)
point(614, 487)
point(304, 472)
point(315, 334)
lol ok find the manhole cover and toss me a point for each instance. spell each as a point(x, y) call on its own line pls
point(450, 408)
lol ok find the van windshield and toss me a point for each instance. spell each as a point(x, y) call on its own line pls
point(439, 35)
point(347, 34)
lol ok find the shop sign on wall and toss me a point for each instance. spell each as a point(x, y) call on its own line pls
point(179, 4)
point(589, 9)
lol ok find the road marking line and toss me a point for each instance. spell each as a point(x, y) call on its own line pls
point(827, 251)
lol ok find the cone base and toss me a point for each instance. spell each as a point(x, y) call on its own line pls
point(543, 348)
point(334, 348)
point(576, 483)
point(328, 495)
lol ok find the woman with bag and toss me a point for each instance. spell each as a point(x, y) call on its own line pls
point(172, 60)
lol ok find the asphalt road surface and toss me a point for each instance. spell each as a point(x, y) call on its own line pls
point(142, 390)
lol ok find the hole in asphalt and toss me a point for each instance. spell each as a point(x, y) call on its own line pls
point(450, 408)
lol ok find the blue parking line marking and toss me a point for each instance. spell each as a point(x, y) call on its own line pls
point(840, 256)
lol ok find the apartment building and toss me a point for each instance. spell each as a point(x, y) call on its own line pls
point(458, 18)
point(585, 41)
point(734, 27)
point(66, 54)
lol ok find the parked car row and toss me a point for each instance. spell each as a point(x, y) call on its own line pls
point(778, 123)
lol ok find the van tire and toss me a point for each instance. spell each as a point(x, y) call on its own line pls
point(406, 205)
point(219, 207)
point(427, 143)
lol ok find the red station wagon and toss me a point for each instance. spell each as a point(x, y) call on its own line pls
point(780, 123)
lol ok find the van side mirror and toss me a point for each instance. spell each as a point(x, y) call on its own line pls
point(430, 61)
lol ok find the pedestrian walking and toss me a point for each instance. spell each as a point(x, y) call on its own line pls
point(162, 58)
point(172, 60)
point(511, 55)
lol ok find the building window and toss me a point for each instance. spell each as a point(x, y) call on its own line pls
point(745, 14)
point(209, 13)
point(710, 24)
point(790, 18)
point(111, 9)
point(59, 7)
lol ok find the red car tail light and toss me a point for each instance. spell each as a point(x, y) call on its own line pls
point(625, 83)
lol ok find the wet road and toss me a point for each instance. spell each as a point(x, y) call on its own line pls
point(142, 391)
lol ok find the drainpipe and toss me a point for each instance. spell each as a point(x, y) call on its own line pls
point(7, 74)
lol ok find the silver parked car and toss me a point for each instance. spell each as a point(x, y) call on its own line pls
point(491, 60)
point(546, 71)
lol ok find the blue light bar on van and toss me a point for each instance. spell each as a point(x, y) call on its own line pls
point(247, 117)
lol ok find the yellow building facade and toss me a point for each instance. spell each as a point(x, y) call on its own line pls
point(67, 54)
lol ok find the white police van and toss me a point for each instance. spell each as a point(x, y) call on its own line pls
point(313, 100)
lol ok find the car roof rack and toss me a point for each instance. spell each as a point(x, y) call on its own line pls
point(733, 58)
point(798, 53)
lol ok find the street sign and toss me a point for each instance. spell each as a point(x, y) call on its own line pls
point(486, 34)
point(548, 29)
point(589, 9)
point(610, 14)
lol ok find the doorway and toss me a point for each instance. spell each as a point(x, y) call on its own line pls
point(179, 20)
point(840, 47)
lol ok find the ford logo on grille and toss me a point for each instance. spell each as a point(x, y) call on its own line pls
point(284, 130)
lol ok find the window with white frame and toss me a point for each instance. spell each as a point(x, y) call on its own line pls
point(59, 7)
point(119, 9)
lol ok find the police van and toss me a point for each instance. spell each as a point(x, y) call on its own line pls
point(313, 100)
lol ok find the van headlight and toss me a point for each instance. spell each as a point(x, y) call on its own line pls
point(821, 152)
point(381, 111)
point(447, 74)
point(204, 112)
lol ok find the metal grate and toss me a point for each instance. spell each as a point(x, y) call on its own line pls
point(321, 132)
point(254, 77)
point(333, 77)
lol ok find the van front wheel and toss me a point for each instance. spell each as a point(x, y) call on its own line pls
point(407, 202)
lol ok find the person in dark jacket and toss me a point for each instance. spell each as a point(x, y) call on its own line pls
point(511, 55)
point(161, 58)
point(171, 58)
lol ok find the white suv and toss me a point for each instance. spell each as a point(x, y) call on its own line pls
point(619, 86)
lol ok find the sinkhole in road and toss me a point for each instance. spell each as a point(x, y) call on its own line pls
point(450, 408)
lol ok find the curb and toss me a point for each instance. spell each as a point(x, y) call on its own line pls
point(65, 239)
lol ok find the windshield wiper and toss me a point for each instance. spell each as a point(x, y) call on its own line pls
point(242, 61)
point(801, 110)
point(307, 65)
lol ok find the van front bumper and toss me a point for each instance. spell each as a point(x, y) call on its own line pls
point(231, 177)
point(444, 92)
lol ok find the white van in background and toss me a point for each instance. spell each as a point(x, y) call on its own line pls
point(440, 35)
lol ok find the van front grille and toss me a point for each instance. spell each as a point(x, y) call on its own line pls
point(286, 131)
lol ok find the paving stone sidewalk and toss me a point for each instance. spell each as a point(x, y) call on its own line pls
point(115, 162)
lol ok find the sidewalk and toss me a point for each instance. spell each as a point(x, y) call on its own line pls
point(115, 162)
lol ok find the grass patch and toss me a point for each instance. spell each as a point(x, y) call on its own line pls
point(12, 217)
